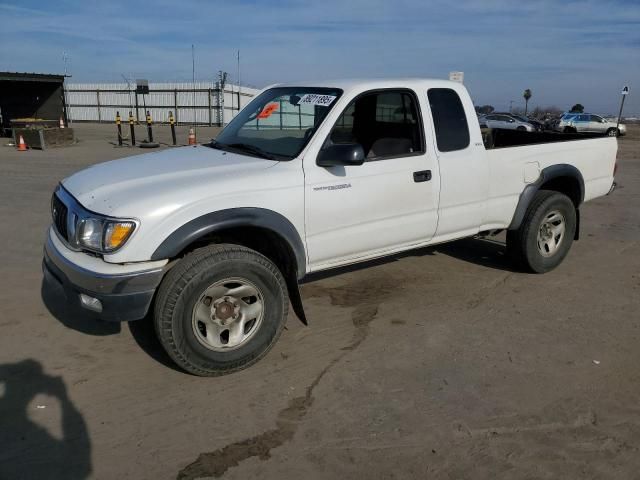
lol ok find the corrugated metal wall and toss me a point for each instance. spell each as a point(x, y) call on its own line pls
point(190, 103)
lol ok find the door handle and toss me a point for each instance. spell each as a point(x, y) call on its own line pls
point(422, 176)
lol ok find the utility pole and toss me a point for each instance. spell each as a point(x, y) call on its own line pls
point(510, 105)
point(238, 80)
point(222, 80)
point(193, 79)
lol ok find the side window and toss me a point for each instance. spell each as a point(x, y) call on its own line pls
point(582, 118)
point(449, 119)
point(385, 123)
point(394, 108)
point(596, 118)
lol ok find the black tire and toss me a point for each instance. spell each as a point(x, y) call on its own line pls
point(521, 129)
point(522, 244)
point(570, 130)
point(183, 287)
point(613, 132)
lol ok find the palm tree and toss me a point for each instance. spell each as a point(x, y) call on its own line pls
point(527, 95)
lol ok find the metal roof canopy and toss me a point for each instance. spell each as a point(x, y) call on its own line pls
point(31, 95)
point(32, 77)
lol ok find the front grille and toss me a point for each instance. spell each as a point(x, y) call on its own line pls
point(59, 214)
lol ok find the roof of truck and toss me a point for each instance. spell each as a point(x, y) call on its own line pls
point(372, 83)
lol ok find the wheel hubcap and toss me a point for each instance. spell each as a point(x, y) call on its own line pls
point(228, 314)
point(551, 233)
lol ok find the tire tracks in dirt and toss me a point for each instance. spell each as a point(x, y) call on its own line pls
point(365, 298)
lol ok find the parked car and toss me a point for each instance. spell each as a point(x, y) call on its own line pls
point(500, 120)
point(539, 126)
point(214, 239)
point(589, 123)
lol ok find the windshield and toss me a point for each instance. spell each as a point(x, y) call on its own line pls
point(278, 123)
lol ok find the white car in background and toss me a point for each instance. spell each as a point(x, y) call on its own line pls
point(495, 120)
point(589, 123)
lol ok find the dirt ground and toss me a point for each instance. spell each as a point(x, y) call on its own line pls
point(442, 363)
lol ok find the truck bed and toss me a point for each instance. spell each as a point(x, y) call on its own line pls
point(501, 138)
point(511, 169)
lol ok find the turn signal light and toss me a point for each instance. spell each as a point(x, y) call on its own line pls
point(117, 233)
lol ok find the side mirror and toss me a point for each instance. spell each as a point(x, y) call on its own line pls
point(341, 154)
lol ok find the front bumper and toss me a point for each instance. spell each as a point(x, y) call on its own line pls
point(123, 297)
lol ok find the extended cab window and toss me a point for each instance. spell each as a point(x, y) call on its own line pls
point(385, 123)
point(449, 119)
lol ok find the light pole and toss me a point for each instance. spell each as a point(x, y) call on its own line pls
point(624, 93)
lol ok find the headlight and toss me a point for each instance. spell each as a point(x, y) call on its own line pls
point(103, 234)
point(83, 229)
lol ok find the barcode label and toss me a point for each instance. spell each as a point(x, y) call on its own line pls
point(315, 99)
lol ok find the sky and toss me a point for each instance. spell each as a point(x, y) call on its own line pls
point(566, 52)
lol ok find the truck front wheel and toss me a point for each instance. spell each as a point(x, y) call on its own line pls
point(220, 309)
point(546, 233)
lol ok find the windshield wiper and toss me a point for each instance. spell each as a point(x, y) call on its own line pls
point(245, 147)
point(215, 144)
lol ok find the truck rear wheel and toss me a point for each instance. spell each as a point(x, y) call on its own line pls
point(546, 233)
point(220, 309)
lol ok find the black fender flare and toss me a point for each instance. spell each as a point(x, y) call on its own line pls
point(191, 231)
point(548, 173)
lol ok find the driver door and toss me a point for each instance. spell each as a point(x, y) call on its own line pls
point(389, 202)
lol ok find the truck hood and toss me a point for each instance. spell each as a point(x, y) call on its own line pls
point(117, 187)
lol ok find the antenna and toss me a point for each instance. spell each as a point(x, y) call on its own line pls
point(65, 59)
point(129, 89)
point(238, 80)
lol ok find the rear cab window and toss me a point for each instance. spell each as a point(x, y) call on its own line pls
point(449, 119)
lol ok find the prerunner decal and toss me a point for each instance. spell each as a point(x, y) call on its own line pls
point(315, 99)
point(268, 109)
point(333, 187)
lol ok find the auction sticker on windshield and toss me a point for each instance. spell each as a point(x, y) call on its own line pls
point(315, 99)
point(268, 110)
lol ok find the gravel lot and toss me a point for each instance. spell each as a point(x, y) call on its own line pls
point(441, 363)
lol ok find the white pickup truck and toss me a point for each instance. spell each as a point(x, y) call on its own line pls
point(214, 239)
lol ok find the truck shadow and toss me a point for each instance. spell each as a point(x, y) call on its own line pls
point(479, 251)
point(72, 316)
point(28, 450)
point(143, 332)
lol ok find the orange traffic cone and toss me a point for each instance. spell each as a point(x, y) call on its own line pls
point(22, 147)
point(61, 123)
point(192, 137)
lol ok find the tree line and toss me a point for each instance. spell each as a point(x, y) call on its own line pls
point(537, 112)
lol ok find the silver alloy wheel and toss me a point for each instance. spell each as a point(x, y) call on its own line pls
point(551, 233)
point(613, 132)
point(228, 314)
